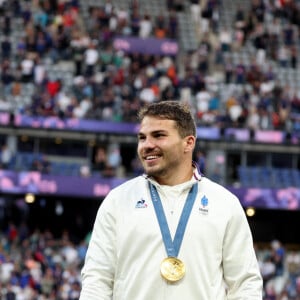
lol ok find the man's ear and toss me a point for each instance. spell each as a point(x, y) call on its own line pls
point(189, 143)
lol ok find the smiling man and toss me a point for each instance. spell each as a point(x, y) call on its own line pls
point(170, 233)
point(165, 148)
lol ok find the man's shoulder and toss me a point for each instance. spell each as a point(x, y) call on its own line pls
point(214, 187)
point(130, 184)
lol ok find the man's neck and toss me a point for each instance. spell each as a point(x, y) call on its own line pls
point(175, 179)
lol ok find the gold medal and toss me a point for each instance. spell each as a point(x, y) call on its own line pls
point(172, 269)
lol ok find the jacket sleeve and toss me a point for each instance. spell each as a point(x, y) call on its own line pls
point(241, 270)
point(99, 267)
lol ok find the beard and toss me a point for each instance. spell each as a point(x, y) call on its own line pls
point(156, 171)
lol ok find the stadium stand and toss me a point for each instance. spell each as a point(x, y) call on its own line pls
point(235, 62)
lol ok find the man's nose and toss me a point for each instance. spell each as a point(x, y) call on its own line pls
point(148, 143)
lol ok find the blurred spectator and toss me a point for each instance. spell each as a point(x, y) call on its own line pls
point(229, 71)
point(5, 22)
point(240, 73)
point(7, 78)
point(39, 72)
point(27, 66)
point(78, 45)
point(203, 97)
point(226, 39)
point(9, 294)
point(135, 22)
point(91, 57)
point(278, 257)
point(258, 8)
point(195, 8)
point(114, 159)
point(41, 164)
point(288, 35)
point(6, 48)
point(204, 49)
point(145, 27)
point(6, 156)
point(274, 33)
point(267, 268)
point(240, 18)
point(293, 268)
point(173, 26)
point(123, 21)
point(101, 163)
point(53, 86)
point(283, 55)
point(160, 26)
point(294, 57)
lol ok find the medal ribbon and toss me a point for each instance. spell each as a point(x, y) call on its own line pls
point(173, 247)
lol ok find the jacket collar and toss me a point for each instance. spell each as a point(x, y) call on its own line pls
point(196, 176)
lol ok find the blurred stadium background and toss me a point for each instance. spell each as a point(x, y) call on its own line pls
point(73, 76)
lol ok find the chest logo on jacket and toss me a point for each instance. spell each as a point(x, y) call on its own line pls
point(204, 205)
point(141, 204)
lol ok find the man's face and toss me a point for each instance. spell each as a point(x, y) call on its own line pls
point(160, 147)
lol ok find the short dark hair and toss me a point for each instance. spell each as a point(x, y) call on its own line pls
point(171, 110)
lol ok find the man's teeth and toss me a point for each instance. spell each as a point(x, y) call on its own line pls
point(152, 157)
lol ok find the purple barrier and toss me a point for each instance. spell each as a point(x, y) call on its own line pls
point(37, 183)
point(211, 133)
point(208, 133)
point(75, 124)
point(85, 125)
point(284, 198)
point(152, 46)
point(269, 136)
point(237, 134)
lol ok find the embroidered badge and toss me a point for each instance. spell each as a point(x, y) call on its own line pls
point(204, 203)
point(141, 204)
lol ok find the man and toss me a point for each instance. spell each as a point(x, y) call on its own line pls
point(171, 233)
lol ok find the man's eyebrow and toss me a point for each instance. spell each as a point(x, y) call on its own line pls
point(154, 132)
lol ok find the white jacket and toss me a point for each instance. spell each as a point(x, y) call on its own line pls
point(126, 248)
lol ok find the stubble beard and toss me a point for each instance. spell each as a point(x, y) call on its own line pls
point(156, 171)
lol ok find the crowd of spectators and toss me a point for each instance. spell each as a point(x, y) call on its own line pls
point(36, 265)
point(280, 269)
point(93, 80)
point(112, 85)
